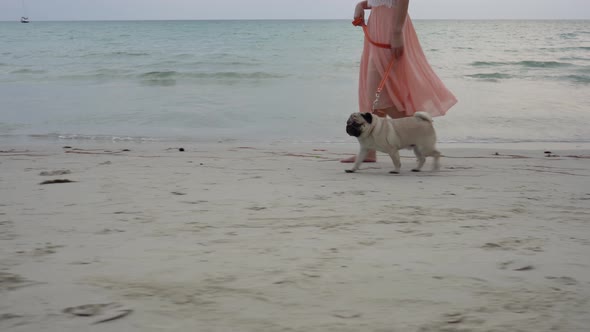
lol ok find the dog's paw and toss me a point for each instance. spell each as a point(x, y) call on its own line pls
point(349, 171)
point(416, 170)
point(394, 172)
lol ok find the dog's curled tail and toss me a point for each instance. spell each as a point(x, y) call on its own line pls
point(423, 116)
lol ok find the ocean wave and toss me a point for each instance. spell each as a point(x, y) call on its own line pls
point(525, 63)
point(169, 78)
point(215, 62)
point(159, 78)
point(164, 77)
point(568, 35)
point(156, 75)
point(492, 77)
point(28, 71)
point(561, 49)
point(488, 63)
point(130, 53)
point(584, 79)
point(114, 53)
point(238, 75)
point(544, 64)
point(159, 74)
point(204, 63)
point(184, 56)
point(122, 138)
point(574, 58)
point(577, 78)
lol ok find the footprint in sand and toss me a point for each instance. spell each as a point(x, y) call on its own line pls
point(48, 249)
point(529, 244)
point(104, 312)
point(453, 322)
point(516, 266)
point(9, 281)
point(56, 173)
point(346, 314)
point(565, 281)
point(9, 316)
point(109, 231)
point(257, 208)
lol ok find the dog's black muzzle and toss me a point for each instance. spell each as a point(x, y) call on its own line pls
point(353, 129)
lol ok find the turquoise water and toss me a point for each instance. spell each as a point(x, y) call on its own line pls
point(516, 81)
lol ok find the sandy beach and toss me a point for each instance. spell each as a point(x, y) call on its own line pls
point(235, 237)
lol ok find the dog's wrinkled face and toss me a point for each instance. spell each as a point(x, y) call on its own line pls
point(357, 123)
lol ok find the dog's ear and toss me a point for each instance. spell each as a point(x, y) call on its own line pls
point(368, 117)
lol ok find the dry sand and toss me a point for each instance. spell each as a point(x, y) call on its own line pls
point(225, 237)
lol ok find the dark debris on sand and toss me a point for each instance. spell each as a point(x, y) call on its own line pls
point(56, 181)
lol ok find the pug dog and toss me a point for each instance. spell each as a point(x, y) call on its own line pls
point(391, 135)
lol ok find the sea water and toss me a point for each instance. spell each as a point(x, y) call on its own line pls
point(290, 81)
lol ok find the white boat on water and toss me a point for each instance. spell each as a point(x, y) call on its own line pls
point(25, 17)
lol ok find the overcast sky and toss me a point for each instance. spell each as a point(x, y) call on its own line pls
point(11, 10)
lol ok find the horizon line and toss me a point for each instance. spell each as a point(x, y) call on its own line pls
point(301, 19)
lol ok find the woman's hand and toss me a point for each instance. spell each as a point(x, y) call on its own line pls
point(397, 45)
point(359, 11)
point(397, 40)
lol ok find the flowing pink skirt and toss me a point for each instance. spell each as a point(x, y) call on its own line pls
point(412, 85)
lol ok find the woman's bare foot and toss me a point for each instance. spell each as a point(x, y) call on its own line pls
point(371, 158)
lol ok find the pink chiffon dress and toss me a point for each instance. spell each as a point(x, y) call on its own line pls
point(412, 84)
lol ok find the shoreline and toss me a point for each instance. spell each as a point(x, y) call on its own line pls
point(24, 140)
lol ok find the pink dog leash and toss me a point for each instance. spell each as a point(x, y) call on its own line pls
point(361, 22)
